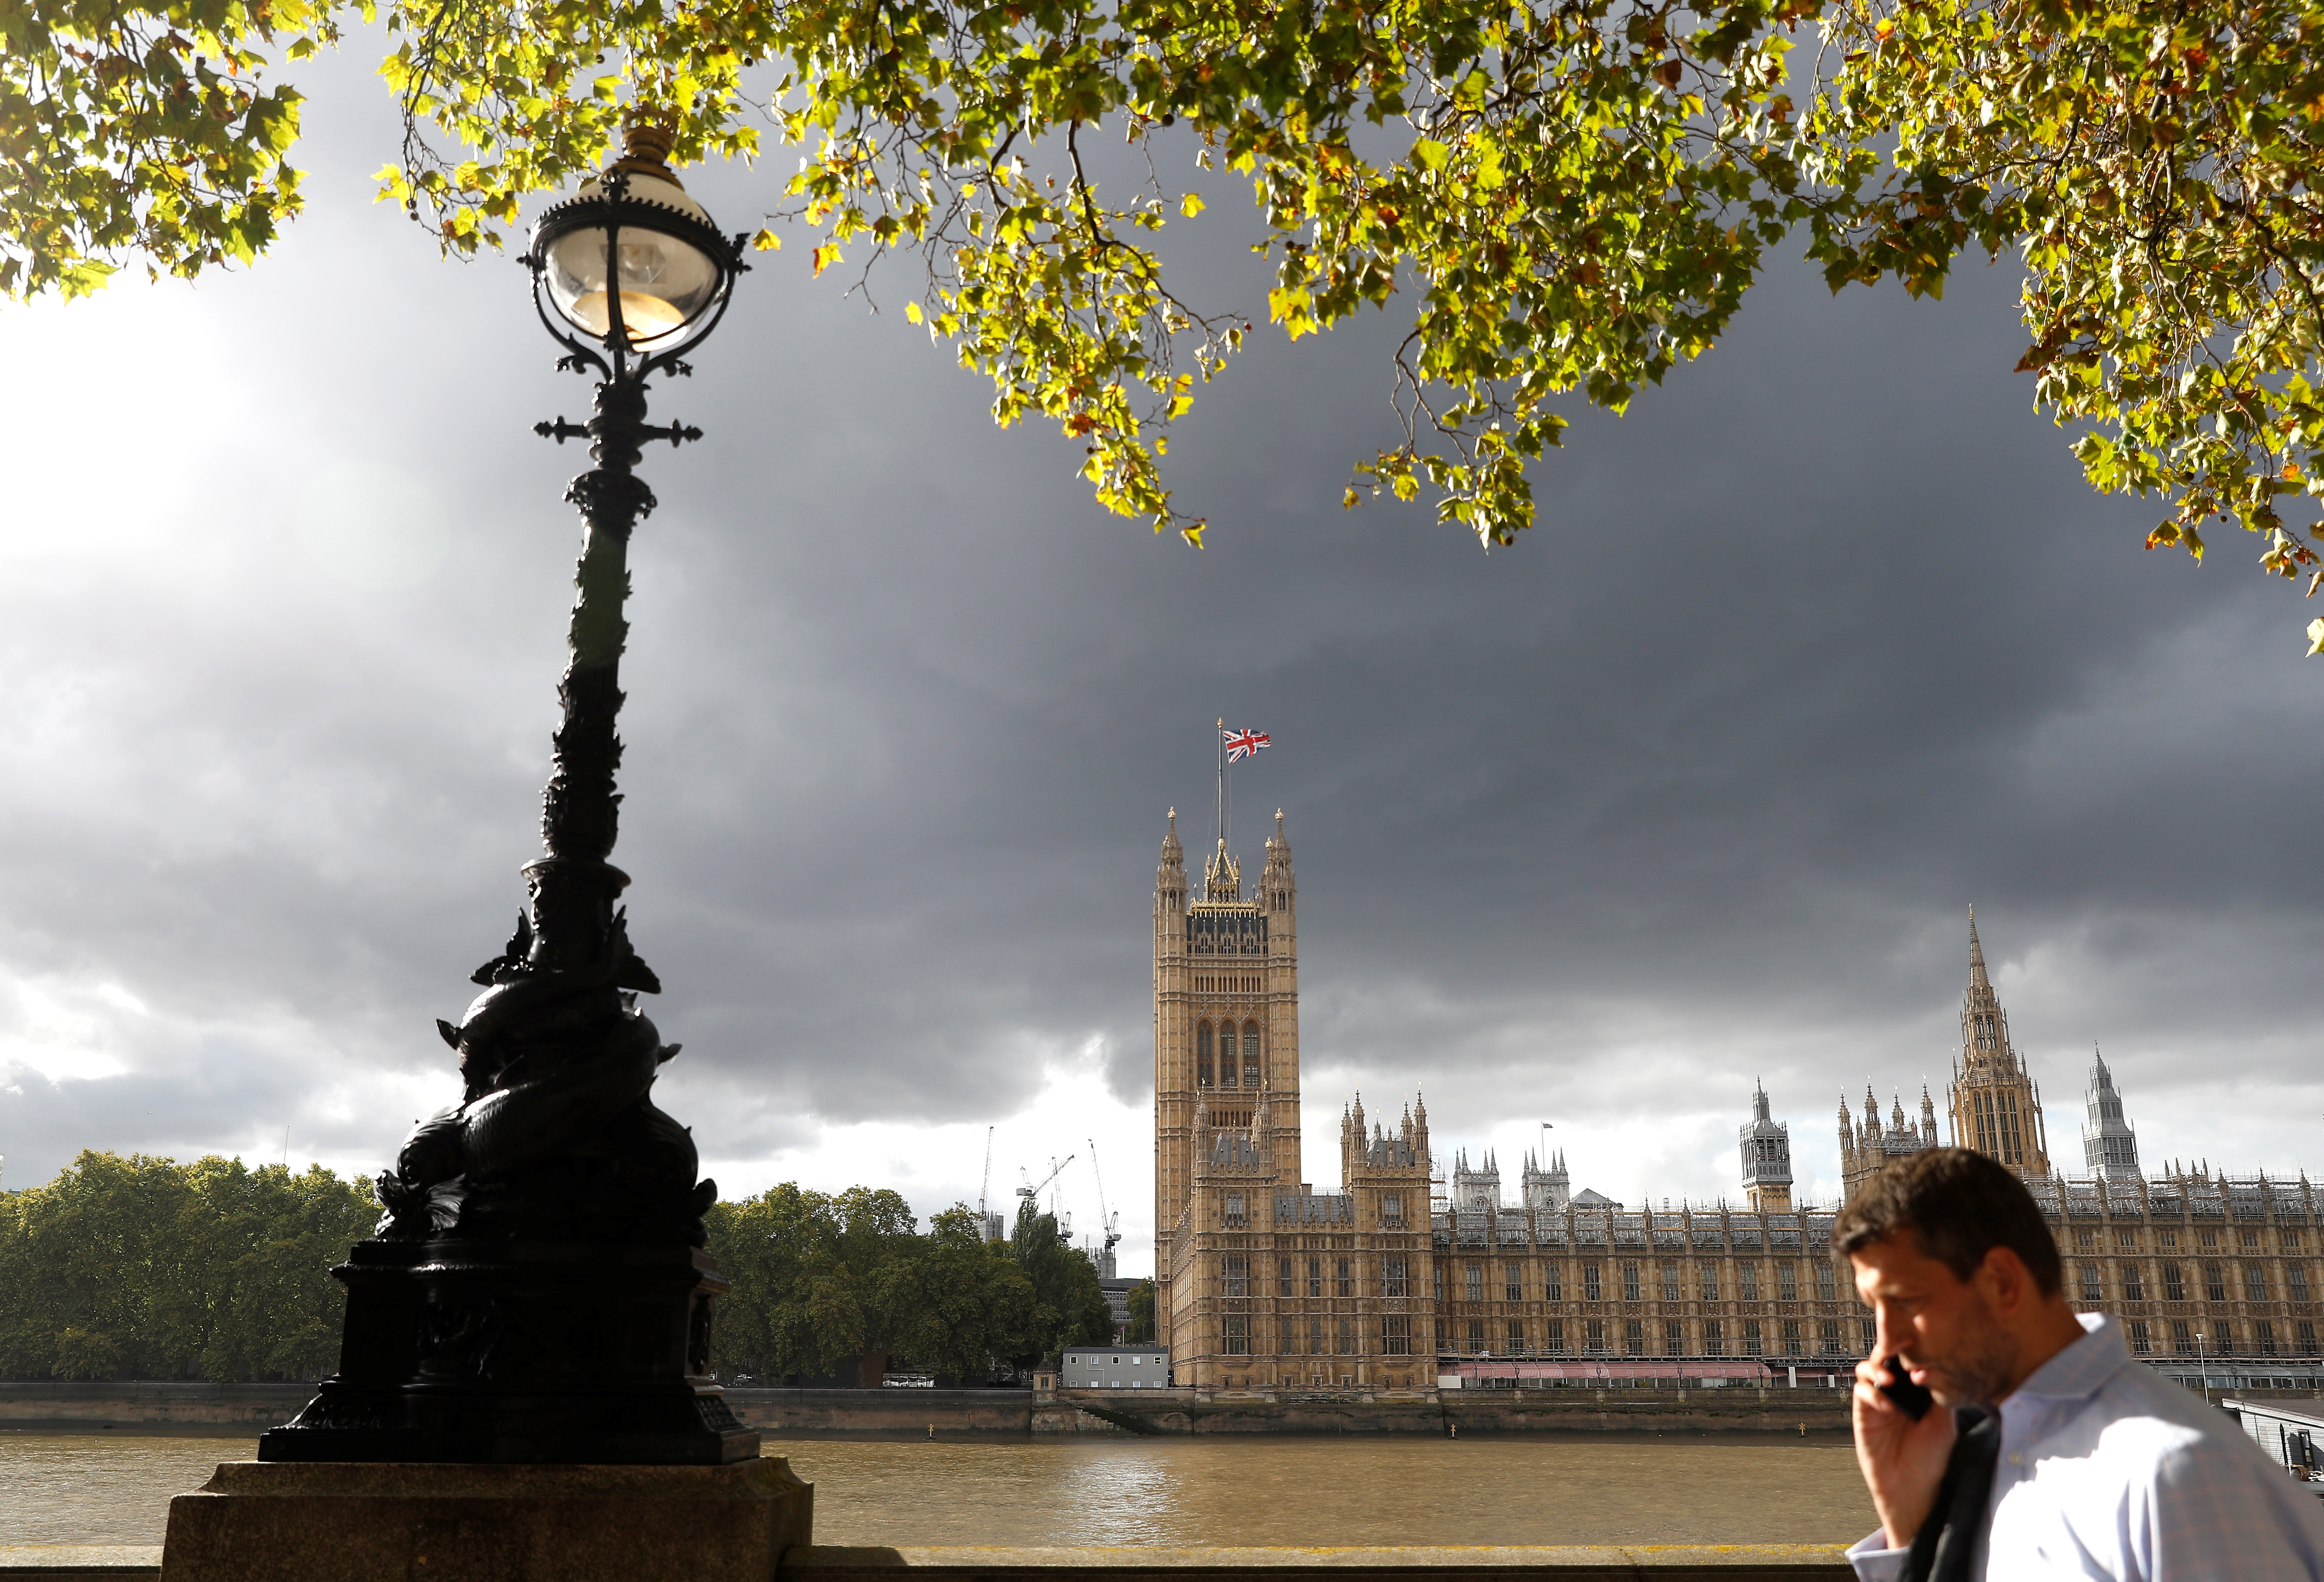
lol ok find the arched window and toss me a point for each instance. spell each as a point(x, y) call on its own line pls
point(1250, 1054)
point(1203, 1055)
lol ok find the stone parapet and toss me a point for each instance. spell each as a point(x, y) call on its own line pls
point(1662, 1562)
point(1728, 1562)
point(404, 1521)
point(78, 1562)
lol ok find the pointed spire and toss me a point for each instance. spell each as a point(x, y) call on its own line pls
point(1975, 955)
point(1223, 878)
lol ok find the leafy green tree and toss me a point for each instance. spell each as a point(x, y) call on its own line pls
point(144, 1268)
point(820, 1281)
point(968, 1302)
point(775, 1249)
point(1568, 198)
point(1141, 1313)
point(1064, 1283)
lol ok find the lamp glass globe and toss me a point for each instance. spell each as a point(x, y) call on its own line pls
point(665, 281)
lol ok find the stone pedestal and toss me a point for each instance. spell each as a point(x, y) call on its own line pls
point(522, 1352)
point(387, 1521)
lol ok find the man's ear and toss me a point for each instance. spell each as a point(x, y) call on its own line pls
point(2005, 1282)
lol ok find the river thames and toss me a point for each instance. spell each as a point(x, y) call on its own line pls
point(110, 1488)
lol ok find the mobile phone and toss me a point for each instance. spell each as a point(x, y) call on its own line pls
point(1913, 1400)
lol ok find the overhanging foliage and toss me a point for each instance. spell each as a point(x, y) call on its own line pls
point(1570, 196)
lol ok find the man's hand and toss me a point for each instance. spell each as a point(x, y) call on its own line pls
point(1903, 1461)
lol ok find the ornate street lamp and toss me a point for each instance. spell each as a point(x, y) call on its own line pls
point(536, 1290)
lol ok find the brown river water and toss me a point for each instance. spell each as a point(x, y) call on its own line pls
point(110, 1488)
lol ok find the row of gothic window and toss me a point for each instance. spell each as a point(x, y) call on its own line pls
point(2220, 1338)
point(2215, 1286)
point(1995, 1116)
point(1639, 1282)
point(1349, 1334)
point(1239, 1210)
point(1225, 1069)
point(1315, 1277)
point(1240, 1334)
point(1317, 1336)
point(2126, 1239)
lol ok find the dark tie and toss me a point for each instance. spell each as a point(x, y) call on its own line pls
point(1942, 1548)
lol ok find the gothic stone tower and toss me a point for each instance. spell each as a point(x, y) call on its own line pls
point(1547, 1188)
point(1862, 1151)
point(1226, 1034)
point(1766, 1149)
point(1996, 1109)
point(2109, 1143)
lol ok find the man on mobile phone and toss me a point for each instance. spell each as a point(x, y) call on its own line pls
point(2050, 1453)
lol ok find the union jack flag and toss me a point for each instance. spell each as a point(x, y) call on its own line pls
point(1241, 745)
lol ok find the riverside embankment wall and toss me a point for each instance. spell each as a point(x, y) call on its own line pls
point(199, 1408)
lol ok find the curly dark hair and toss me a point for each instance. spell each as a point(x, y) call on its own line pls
point(1959, 1206)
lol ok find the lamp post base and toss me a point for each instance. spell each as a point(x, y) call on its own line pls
point(255, 1522)
point(521, 1352)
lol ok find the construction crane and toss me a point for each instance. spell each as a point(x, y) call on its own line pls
point(1031, 1193)
point(1111, 1224)
point(987, 1224)
point(1034, 1190)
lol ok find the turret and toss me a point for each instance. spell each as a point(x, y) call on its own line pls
point(1765, 1144)
point(1544, 1184)
point(1477, 1186)
point(2109, 1143)
point(1170, 874)
point(1277, 890)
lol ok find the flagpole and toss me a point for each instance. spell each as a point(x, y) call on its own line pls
point(1219, 741)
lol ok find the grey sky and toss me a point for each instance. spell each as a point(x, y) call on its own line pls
point(1821, 644)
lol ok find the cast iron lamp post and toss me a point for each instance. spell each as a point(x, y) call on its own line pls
point(536, 1291)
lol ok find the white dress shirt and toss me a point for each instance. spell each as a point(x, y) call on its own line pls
point(2109, 1470)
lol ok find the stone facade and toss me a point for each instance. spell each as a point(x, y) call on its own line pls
point(2195, 1261)
point(1264, 1283)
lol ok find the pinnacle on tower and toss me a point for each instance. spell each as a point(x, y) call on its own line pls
point(1977, 956)
point(1223, 878)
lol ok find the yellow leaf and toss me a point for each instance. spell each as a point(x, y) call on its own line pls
point(766, 241)
point(1191, 205)
point(2316, 637)
point(912, 312)
point(825, 257)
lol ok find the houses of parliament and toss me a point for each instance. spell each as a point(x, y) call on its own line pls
point(1264, 1283)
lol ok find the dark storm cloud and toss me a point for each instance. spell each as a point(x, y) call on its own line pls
point(1821, 644)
